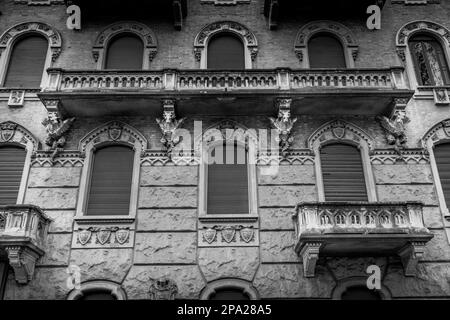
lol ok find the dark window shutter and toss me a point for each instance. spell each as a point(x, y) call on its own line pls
point(111, 178)
point(228, 183)
point(360, 293)
point(229, 294)
point(226, 52)
point(3, 276)
point(97, 295)
point(125, 52)
point(325, 51)
point(442, 156)
point(343, 174)
point(26, 63)
point(12, 160)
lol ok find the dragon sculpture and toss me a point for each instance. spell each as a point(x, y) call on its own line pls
point(168, 127)
point(395, 130)
point(56, 128)
point(284, 124)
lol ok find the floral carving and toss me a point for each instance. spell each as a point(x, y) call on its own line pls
point(283, 125)
point(395, 130)
point(56, 129)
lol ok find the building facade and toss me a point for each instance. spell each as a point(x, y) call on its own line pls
point(108, 126)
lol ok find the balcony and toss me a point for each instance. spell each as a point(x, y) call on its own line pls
point(23, 233)
point(360, 229)
point(244, 92)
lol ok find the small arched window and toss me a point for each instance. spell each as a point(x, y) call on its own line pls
point(325, 51)
point(430, 62)
point(26, 62)
point(110, 186)
point(229, 294)
point(126, 52)
point(225, 52)
point(228, 191)
point(360, 293)
point(12, 160)
point(343, 173)
point(442, 156)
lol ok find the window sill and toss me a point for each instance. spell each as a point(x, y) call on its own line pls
point(217, 218)
point(82, 220)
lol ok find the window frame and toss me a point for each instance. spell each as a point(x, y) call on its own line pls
point(218, 35)
point(11, 36)
point(330, 35)
point(114, 289)
point(116, 37)
point(246, 287)
point(344, 284)
point(102, 137)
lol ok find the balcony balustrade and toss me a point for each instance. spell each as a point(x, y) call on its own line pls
point(360, 229)
point(23, 234)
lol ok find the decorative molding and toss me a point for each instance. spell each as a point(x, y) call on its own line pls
point(98, 285)
point(163, 289)
point(65, 159)
point(284, 124)
point(56, 129)
point(228, 235)
point(106, 236)
point(310, 254)
point(147, 36)
point(441, 96)
point(203, 37)
point(343, 33)
point(292, 157)
point(407, 156)
point(246, 287)
point(160, 158)
point(169, 125)
point(16, 98)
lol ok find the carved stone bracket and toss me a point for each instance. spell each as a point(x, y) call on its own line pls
point(163, 289)
point(23, 261)
point(168, 125)
point(410, 256)
point(283, 124)
point(310, 255)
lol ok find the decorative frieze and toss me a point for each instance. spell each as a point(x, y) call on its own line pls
point(103, 236)
point(225, 235)
point(408, 156)
point(63, 159)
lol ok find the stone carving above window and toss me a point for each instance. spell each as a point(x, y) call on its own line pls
point(163, 289)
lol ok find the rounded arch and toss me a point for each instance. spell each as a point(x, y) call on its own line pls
point(347, 283)
point(336, 29)
point(147, 36)
point(242, 32)
point(339, 131)
point(98, 285)
point(244, 286)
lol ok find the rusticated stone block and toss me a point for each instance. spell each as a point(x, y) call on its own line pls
point(278, 247)
point(288, 175)
point(231, 262)
point(423, 193)
point(167, 219)
point(170, 248)
point(62, 221)
point(188, 279)
point(111, 264)
point(171, 175)
point(346, 267)
point(168, 197)
point(276, 218)
point(432, 217)
point(54, 198)
point(54, 177)
point(286, 280)
point(286, 195)
point(404, 173)
point(57, 250)
point(438, 248)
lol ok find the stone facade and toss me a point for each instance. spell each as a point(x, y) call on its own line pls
point(164, 233)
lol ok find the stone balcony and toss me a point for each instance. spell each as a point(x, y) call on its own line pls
point(23, 233)
point(332, 229)
point(244, 92)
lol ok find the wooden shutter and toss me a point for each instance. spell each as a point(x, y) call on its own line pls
point(111, 178)
point(125, 52)
point(442, 156)
point(325, 51)
point(3, 276)
point(226, 52)
point(360, 293)
point(26, 63)
point(228, 183)
point(12, 160)
point(229, 294)
point(343, 173)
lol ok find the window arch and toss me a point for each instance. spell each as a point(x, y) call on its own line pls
point(221, 33)
point(113, 140)
point(355, 288)
point(120, 35)
point(325, 51)
point(98, 290)
point(423, 47)
point(357, 143)
point(229, 289)
point(26, 51)
point(225, 52)
point(344, 48)
point(125, 51)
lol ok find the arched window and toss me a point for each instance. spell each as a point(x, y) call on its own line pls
point(442, 156)
point(360, 293)
point(12, 160)
point(125, 51)
point(225, 51)
point(325, 51)
point(97, 295)
point(26, 62)
point(110, 185)
point(429, 60)
point(228, 191)
point(229, 294)
point(342, 173)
